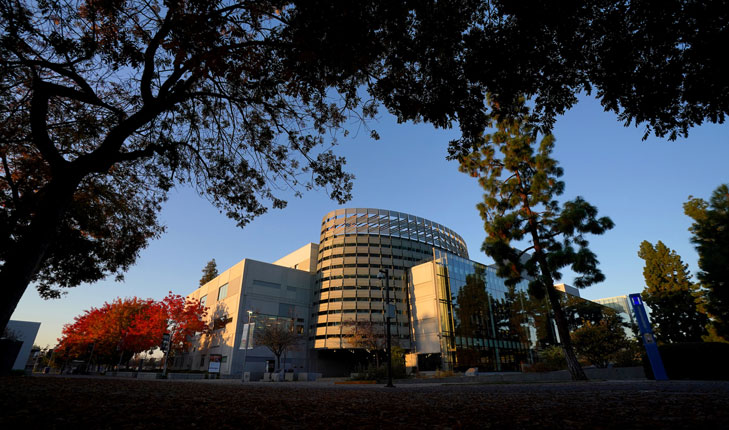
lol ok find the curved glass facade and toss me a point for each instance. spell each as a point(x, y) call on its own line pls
point(354, 245)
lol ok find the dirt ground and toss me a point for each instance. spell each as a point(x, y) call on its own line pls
point(100, 403)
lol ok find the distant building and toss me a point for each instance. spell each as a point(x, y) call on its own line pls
point(622, 305)
point(567, 289)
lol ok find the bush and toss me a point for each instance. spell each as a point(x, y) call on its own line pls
point(629, 356)
point(550, 359)
point(695, 360)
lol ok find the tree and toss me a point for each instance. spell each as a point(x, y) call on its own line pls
point(184, 317)
point(115, 330)
point(710, 235)
point(278, 335)
point(106, 105)
point(210, 272)
point(367, 335)
point(124, 327)
point(601, 342)
point(520, 186)
point(671, 296)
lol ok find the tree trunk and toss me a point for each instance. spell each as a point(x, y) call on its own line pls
point(573, 365)
point(26, 259)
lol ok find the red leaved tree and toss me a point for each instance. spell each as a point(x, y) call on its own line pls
point(112, 332)
point(116, 331)
point(183, 318)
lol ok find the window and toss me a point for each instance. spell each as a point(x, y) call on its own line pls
point(223, 292)
point(202, 361)
point(204, 300)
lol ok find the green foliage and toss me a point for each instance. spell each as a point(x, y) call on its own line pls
point(521, 183)
point(672, 298)
point(599, 343)
point(210, 272)
point(710, 235)
point(552, 358)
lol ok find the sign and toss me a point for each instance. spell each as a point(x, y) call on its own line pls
point(390, 310)
point(649, 341)
point(214, 365)
point(246, 338)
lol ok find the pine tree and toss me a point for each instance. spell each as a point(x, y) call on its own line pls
point(670, 294)
point(710, 235)
point(521, 182)
point(210, 272)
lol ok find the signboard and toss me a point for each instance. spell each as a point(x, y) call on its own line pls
point(214, 365)
point(649, 341)
point(246, 338)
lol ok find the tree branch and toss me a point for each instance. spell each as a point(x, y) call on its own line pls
point(149, 55)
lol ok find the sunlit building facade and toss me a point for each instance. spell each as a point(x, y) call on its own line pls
point(450, 313)
point(355, 244)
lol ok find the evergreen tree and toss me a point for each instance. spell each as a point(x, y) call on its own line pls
point(521, 182)
point(672, 297)
point(210, 271)
point(600, 342)
point(710, 235)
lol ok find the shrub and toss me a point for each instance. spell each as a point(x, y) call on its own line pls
point(551, 358)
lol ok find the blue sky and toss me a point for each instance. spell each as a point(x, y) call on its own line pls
point(641, 185)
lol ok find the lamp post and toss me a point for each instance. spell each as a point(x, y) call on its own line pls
point(245, 351)
point(385, 273)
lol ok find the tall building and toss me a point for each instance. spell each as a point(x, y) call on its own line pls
point(355, 244)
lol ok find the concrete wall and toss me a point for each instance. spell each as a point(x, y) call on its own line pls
point(267, 290)
point(424, 312)
point(25, 331)
point(303, 258)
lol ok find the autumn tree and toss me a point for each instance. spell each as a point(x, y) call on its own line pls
point(521, 182)
point(184, 317)
point(278, 335)
point(107, 105)
point(114, 331)
point(367, 335)
point(600, 342)
point(210, 272)
point(710, 235)
point(124, 327)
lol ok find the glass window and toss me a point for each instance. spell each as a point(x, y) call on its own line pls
point(223, 292)
point(204, 300)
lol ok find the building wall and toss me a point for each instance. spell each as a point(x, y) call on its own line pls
point(424, 312)
point(269, 291)
point(303, 258)
point(25, 331)
point(355, 244)
point(467, 317)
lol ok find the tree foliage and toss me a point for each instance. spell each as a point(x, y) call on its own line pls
point(671, 296)
point(106, 105)
point(710, 235)
point(210, 272)
point(601, 342)
point(124, 327)
point(521, 182)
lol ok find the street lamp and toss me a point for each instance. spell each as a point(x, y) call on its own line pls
point(245, 351)
point(384, 273)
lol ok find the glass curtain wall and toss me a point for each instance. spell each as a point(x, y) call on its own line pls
point(483, 322)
